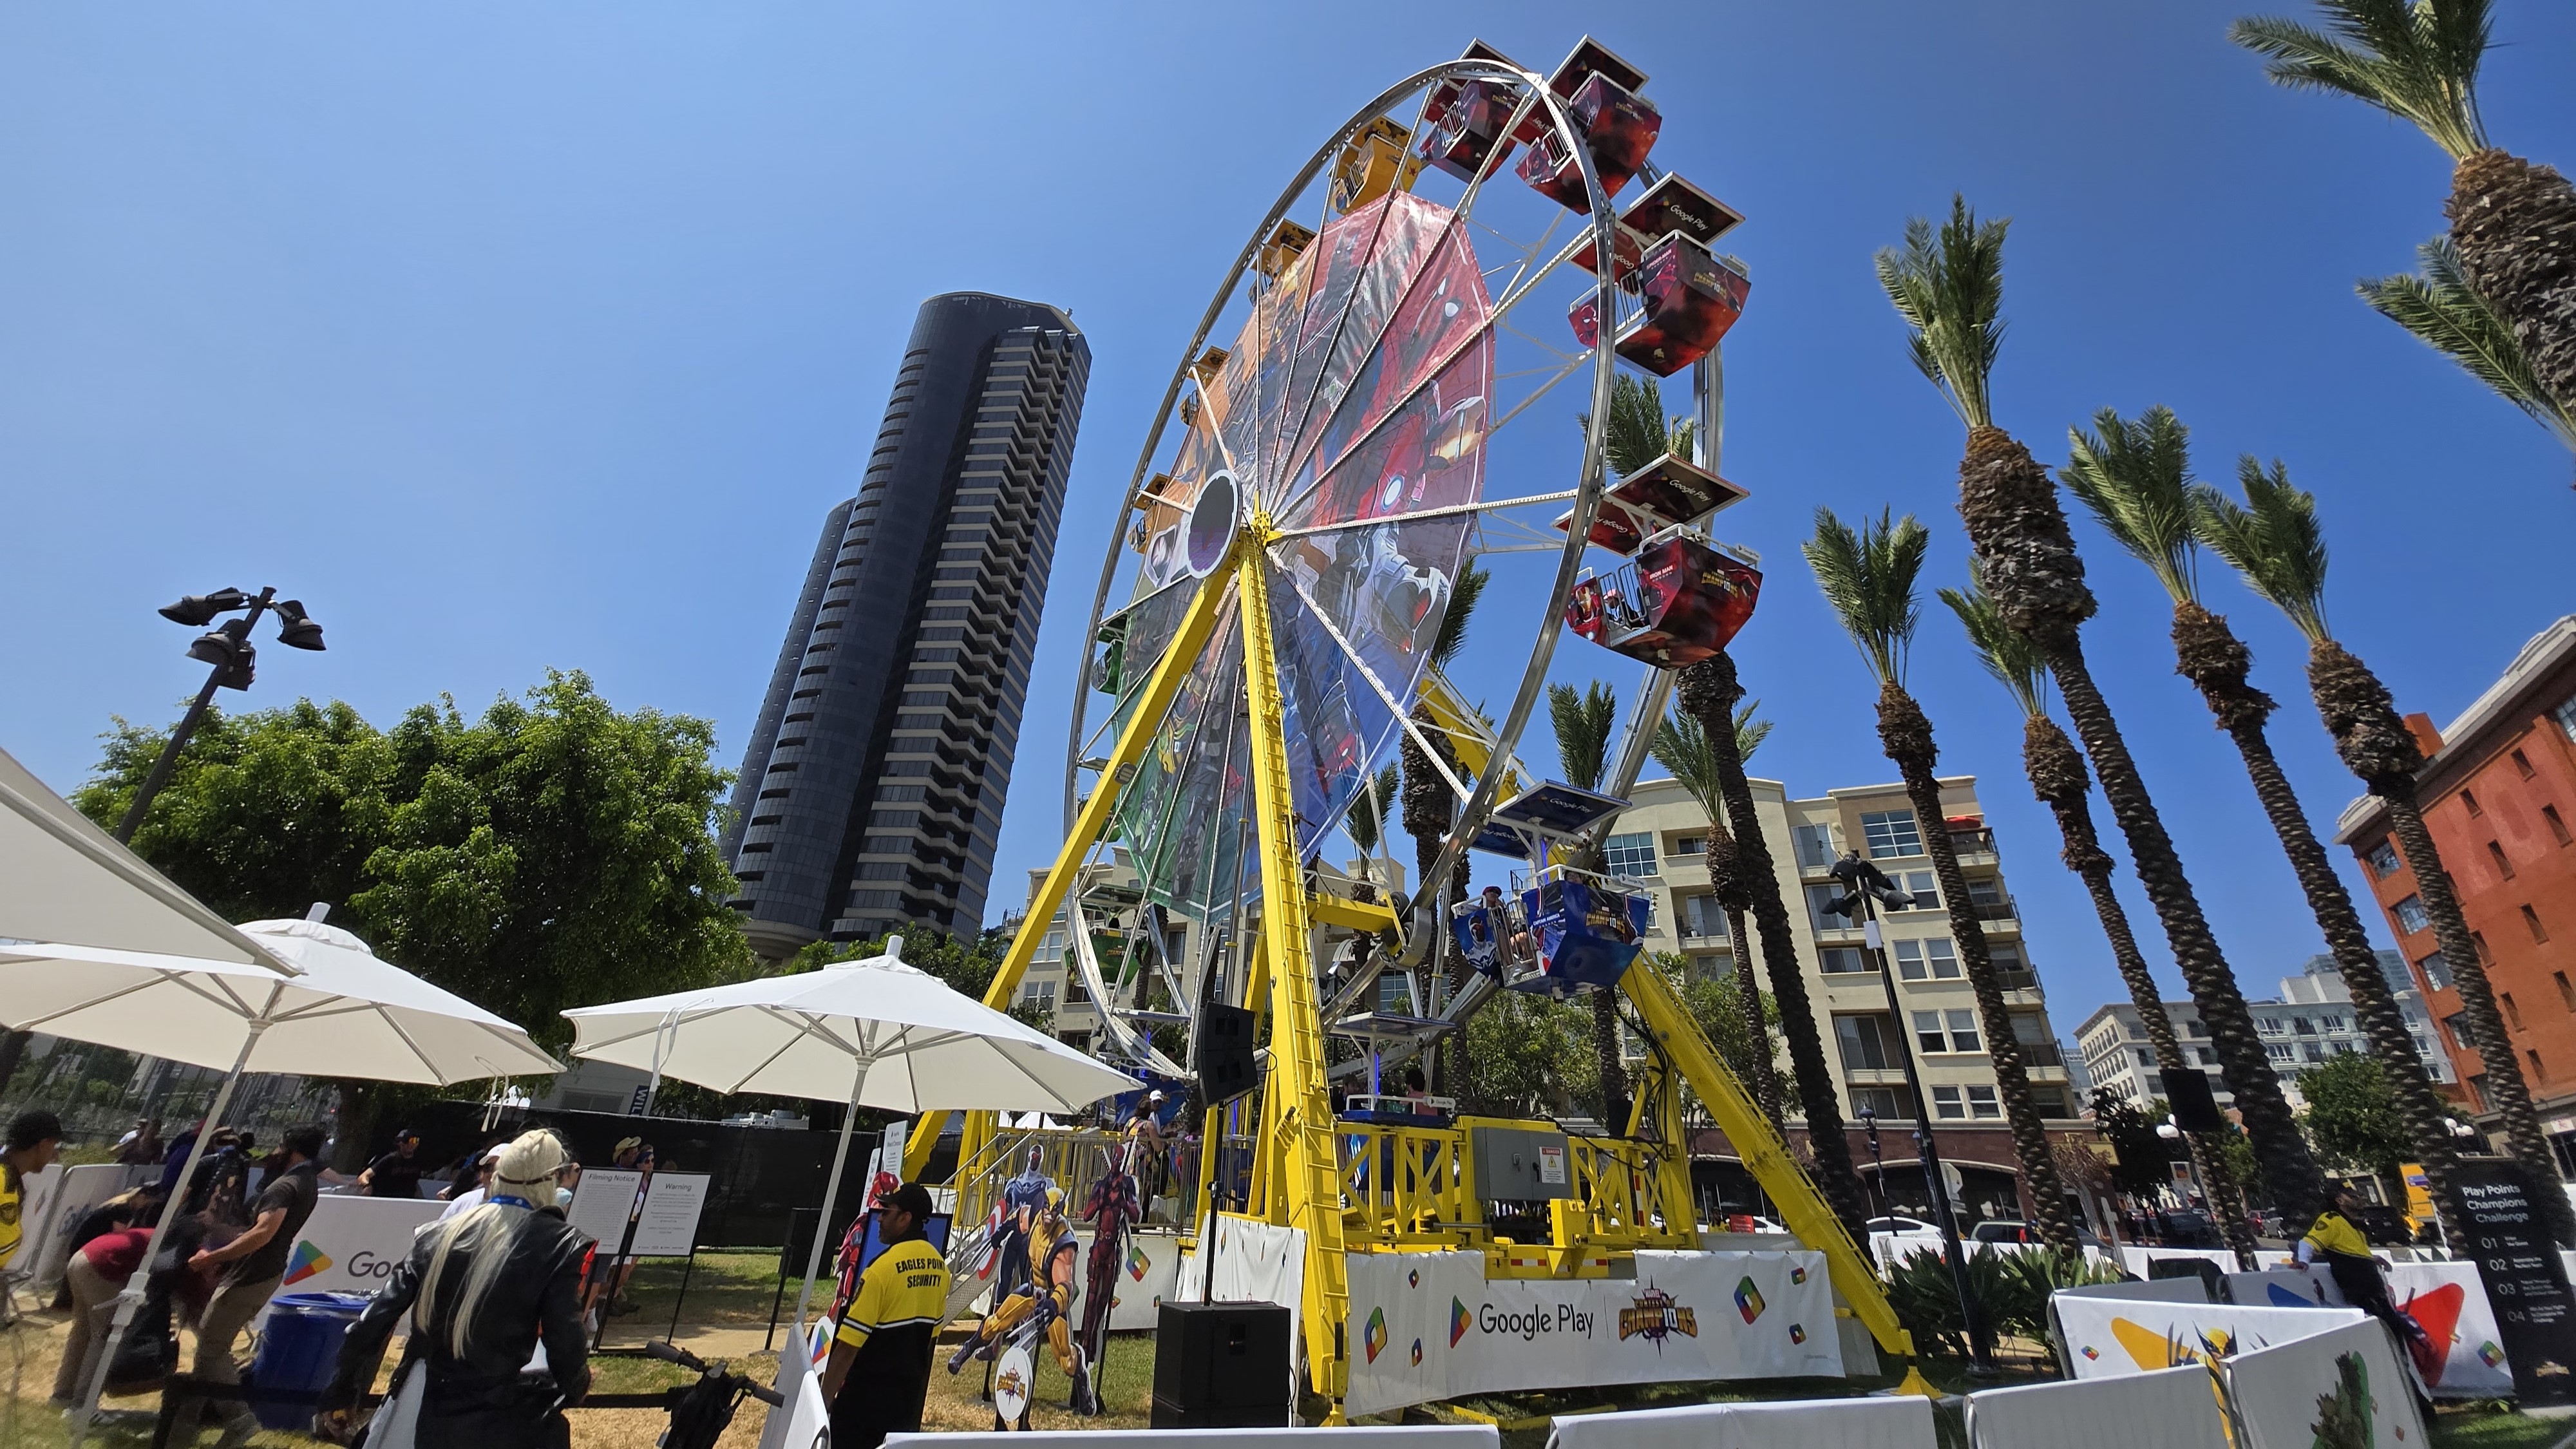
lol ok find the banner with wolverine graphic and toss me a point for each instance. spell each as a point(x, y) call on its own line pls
point(1428, 1326)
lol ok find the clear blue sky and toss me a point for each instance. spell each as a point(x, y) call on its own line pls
point(523, 336)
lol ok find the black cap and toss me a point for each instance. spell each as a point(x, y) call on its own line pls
point(912, 1197)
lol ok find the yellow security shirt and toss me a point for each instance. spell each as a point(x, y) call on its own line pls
point(2332, 1232)
point(11, 1202)
point(893, 1317)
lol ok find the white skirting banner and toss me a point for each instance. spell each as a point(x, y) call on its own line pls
point(2109, 1337)
point(2451, 1304)
point(2141, 1260)
point(2173, 1408)
point(2342, 1388)
point(1428, 1326)
point(1355, 1436)
point(1256, 1262)
point(1867, 1423)
point(1153, 1267)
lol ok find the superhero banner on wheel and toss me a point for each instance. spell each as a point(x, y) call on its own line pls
point(1429, 1326)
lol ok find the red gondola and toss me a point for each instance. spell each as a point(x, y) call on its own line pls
point(1680, 602)
point(1691, 298)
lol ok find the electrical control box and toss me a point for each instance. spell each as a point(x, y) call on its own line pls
point(1520, 1164)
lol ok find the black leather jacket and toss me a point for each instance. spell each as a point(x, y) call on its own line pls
point(536, 1293)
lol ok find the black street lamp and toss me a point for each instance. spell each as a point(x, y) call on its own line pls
point(1865, 889)
point(228, 649)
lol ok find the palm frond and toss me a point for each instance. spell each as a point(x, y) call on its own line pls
point(1463, 596)
point(2445, 313)
point(2011, 658)
point(1681, 745)
point(2415, 59)
point(1637, 433)
point(1366, 823)
point(2273, 539)
point(1868, 577)
point(1583, 720)
point(1749, 732)
point(1949, 287)
point(2136, 479)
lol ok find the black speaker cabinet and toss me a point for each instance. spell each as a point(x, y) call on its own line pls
point(2195, 1109)
point(1222, 1366)
point(1224, 1052)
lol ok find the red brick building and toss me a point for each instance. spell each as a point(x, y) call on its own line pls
point(2498, 792)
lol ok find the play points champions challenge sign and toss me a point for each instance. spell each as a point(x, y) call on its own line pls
point(1429, 1326)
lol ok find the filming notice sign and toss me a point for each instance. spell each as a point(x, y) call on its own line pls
point(2526, 1282)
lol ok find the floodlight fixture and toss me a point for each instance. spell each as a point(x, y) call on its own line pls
point(196, 609)
point(295, 628)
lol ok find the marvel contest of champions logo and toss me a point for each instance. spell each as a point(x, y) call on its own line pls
point(1657, 1316)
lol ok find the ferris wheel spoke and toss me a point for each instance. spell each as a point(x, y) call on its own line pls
point(1542, 389)
point(1351, 655)
point(1330, 376)
point(1481, 506)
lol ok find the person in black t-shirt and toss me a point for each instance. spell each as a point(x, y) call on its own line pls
point(397, 1173)
point(252, 1263)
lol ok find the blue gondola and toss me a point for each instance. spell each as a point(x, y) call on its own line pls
point(1588, 931)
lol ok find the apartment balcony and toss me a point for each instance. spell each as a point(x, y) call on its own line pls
point(1997, 915)
point(1874, 1076)
point(1973, 847)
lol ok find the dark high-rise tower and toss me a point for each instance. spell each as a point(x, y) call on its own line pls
point(871, 795)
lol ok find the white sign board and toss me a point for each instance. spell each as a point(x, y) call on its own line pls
point(601, 1204)
point(2166, 1409)
point(805, 1422)
point(2451, 1303)
point(668, 1225)
point(2109, 1337)
point(2343, 1388)
point(1428, 1326)
point(352, 1244)
point(1147, 1278)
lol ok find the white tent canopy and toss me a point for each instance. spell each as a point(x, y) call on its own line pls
point(347, 1015)
point(70, 881)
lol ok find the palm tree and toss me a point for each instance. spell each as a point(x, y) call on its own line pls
point(2514, 222)
point(1869, 577)
point(2059, 780)
point(1709, 692)
point(1682, 746)
point(1948, 286)
point(2445, 313)
point(1638, 431)
point(2276, 542)
point(1584, 720)
point(1366, 824)
point(1429, 808)
point(2135, 477)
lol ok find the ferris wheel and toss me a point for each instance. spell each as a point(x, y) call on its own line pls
point(1410, 385)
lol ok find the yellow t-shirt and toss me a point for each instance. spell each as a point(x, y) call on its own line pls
point(901, 1299)
point(12, 1201)
point(2332, 1232)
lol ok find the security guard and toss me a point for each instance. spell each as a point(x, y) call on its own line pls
point(879, 1371)
point(2347, 1257)
point(35, 1137)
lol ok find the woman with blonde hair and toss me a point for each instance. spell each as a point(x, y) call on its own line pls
point(482, 1289)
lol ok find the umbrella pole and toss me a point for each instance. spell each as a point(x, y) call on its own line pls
point(129, 1300)
point(831, 1189)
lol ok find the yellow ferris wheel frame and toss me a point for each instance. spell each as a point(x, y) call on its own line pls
point(1297, 1155)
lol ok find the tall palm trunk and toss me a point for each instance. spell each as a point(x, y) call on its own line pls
point(2515, 226)
point(2208, 653)
point(2058, 778)
point(2026, 559)
point(1906, 734)
point(1726, 883)
point(1609, 1063)
point(2376, 746)
point(1709, 691)
point(1429, 809)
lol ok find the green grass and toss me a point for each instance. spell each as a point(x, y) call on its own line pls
point(732, 1290)
point(2486, 1427)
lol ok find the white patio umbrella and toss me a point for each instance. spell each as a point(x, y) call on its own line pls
point(345, 1014)
point(876, 1032)
point(71, 881)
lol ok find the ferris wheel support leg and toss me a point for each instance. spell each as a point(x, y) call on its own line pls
point(1310, 1188)
point(1197, 624)
point(1803, 1210)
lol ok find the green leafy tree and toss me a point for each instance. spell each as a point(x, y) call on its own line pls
point(1869, 578)
point(2135, 478)
point(2142, 1164)
point(2276, 542)
point(1530, 1055)
point(1747, 1038)
point(1947, 284)
point(2513, 222)
point(555, 852)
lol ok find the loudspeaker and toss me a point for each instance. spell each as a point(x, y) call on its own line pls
point(2194, 1108)
point(1222, 1366)
point(1223, 1052)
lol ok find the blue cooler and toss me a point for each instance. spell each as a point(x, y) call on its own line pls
point(298, 1350)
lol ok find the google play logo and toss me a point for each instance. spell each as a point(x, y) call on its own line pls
point(306, 1261)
